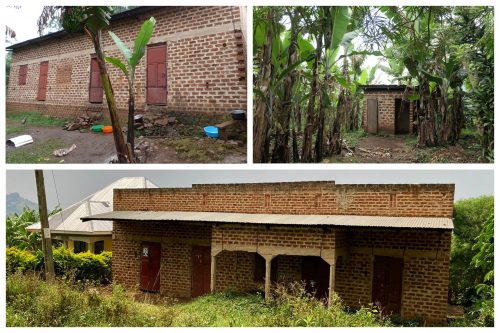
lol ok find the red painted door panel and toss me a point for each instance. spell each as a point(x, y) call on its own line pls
point(387, 284)
point(95, 86)
point(150, 266)
point(156, 89)
point(42, 81)
point(201, 259)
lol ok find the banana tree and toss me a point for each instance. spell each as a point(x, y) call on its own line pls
point(92, 20)
point(132, 59)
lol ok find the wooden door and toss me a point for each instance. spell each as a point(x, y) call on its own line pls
point(316, 274)
point(156, 89)
point(42, 81)
point(402, 123)
point(200, 276)
point(150, 266)
point(372, 115)
point(95, 85)
point(387, 284)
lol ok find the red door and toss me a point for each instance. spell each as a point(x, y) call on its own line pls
point(387, 284)
point(316, 274)
point(95, 86)
point(150, 266)
point(200, 284)
point(156, 89)
point(42, 81)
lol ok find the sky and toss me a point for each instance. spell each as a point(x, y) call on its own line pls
point(74, 185)
point(25, 28)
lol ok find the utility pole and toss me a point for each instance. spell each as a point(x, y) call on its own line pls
point(45, 229)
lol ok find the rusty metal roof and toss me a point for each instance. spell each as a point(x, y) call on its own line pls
point(279, 219)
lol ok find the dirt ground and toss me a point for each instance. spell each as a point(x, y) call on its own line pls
point(403, 149)
point(98, 147)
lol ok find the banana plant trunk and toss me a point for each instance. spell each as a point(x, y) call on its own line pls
point(131, 121)
point(121, 148)
point(310, 120)
point(262, 101)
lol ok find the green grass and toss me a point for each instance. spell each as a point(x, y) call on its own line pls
point(33, 119)
point(352, 138)
point(37, 152)
point(32, 302)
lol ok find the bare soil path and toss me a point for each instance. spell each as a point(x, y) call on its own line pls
point(98, 147)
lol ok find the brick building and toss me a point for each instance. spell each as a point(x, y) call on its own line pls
point(387, 109)
point(195, 62)
point(386, 244)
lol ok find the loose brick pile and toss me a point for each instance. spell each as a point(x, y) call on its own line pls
point(205, 65)
point(425, 252)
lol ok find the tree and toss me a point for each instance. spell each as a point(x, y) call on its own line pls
point(92, 20)
point(132, 59)
point(16, 233)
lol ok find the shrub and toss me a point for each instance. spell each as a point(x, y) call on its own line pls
point(84, 266)
point(20, 260)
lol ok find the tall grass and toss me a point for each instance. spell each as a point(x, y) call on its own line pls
point(32, 302)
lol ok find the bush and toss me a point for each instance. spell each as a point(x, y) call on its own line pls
point(83, 266)
point(20, 260)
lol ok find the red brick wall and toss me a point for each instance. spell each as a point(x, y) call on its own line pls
point(235, 271)
point(386, 110)
point(425, 252)
point(433, 200)
point(205, 65)
point(176, 242)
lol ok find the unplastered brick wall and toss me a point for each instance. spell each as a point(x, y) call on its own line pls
point(176, 253)
point(205, 65)
point(267, 236)
point(321, 198)
point(425, 276)
point(386, 110)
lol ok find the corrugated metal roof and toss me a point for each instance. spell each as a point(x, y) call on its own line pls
point(68, 220)
point(280, 219)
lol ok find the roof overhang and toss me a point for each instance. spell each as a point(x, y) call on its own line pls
point(385, 87)
point(278, 219)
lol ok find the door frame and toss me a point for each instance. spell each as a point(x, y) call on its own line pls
point(398, 112)
point(153, 45)
point(209, 250)
point(150, 289)
point(367, 115)
point(373, 256)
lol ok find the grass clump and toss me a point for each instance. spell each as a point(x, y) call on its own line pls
point(33, 119)
point(33, 302)
point(37, 152)
point(352, 138)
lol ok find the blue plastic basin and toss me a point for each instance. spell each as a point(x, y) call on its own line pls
point(211, 131)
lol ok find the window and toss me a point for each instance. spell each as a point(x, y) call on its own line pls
point(98, 247)
point(23, 72)
point(42, 81)
point(80, 246)
point(95, 85)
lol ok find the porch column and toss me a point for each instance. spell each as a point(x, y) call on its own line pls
point(267, 286)
point(213, 264)
point(331, 288)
